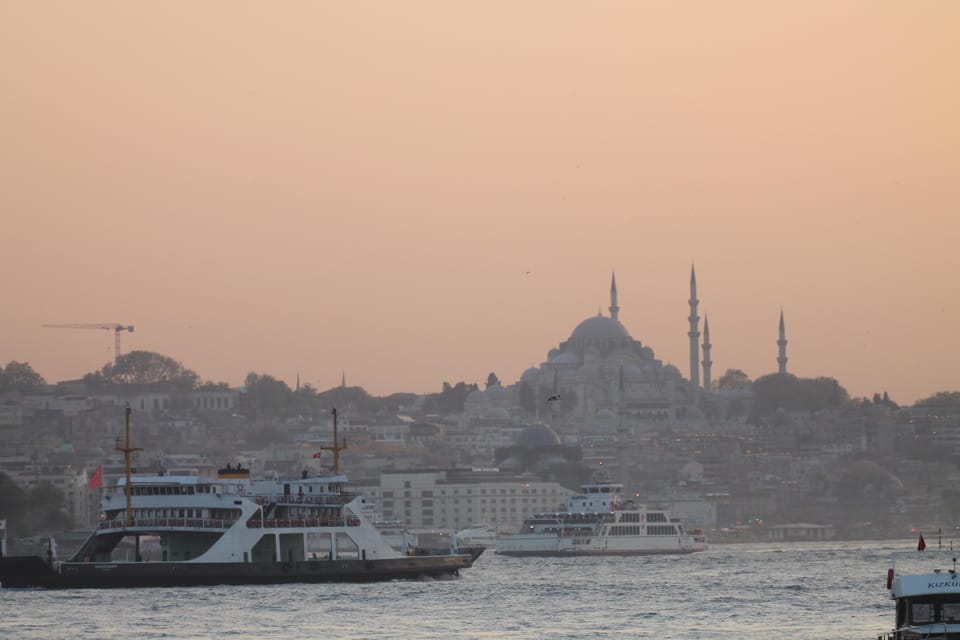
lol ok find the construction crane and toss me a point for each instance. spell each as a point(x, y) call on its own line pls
point(107, 326)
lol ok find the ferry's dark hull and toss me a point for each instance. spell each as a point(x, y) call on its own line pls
point(33, 571)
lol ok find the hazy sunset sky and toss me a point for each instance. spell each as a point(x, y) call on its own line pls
point(364, 186)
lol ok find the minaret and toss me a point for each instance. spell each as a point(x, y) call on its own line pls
point(614, 309)
point(343, 378)
point(782, 343)
point(694, 333)
point(707, 362)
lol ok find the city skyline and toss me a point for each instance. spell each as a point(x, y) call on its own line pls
point(431, 192)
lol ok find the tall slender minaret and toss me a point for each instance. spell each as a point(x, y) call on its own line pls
point(343, 378)
point(614, 309)
point(694, 333)
point(782, 343)
point(707, 362)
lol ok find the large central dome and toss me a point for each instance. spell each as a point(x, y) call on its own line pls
point(600, 327)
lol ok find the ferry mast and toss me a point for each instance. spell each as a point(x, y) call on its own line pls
point(337, 446)
point(127, 451)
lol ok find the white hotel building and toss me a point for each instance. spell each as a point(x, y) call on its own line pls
point(461, 498)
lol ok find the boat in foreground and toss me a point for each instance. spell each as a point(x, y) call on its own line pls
point(599, 522)
point(184, 530)
point(925, 586)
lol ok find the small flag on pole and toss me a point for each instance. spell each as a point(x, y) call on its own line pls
point(317, 454)
point(921, 545)
point(96, 480)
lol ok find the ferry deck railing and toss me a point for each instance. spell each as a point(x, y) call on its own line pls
point(166, 523)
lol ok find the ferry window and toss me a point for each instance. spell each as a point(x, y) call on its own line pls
point(950, 612)
point(921, 613)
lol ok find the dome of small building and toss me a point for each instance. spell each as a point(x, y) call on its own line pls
point(567, 357)
point(530, 375)
point(633, 371)
point(496, 413)
point(538, 435)
point(600, 327)
point(475, 396)
point(512, 463)
point(496, 393)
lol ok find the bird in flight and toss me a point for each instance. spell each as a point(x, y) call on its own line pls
point(553, 398)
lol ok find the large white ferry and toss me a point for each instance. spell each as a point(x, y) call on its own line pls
point(926, 588)
point(600, 522)
point(232, 529)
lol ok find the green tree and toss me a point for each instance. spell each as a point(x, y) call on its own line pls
point(20, 376)
point(451, 399)
point(733, 379)
point(787, 391)
point(39, 510)
point(11, 501)
point(940, 398)
point(263, 392)
point(147, 367)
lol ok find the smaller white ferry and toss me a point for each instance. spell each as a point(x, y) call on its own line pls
point(600, 522)
point(926, 588)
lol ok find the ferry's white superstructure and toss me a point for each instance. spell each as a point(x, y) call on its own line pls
point(232, 529)
point(600, 522)
point(926, 588)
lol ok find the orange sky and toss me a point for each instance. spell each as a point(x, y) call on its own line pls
point(327, 186)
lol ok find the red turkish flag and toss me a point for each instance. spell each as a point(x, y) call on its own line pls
point(921, 545)
point(96, 480)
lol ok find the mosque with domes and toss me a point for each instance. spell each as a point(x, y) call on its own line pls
point(603, 376)
point(610, 373)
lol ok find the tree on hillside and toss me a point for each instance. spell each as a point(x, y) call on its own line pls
point(450, 400)
point(11, 498)
point(145, 367)
point(19, 376)
point(733, 379)
point(263, 392)
point(395, 401)
point(787, 391)
point(37, 510)
point(940, 398)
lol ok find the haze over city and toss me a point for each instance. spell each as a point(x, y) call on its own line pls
point(435, 191)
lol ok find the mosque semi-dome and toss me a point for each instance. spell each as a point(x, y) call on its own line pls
point(530, 375)
point(496, 393)
point(538, 435)
point(496, 413)
point(475, 396)
point(600, 327)
point(567, 357)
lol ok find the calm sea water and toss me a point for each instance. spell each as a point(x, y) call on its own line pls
point(815, 591)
